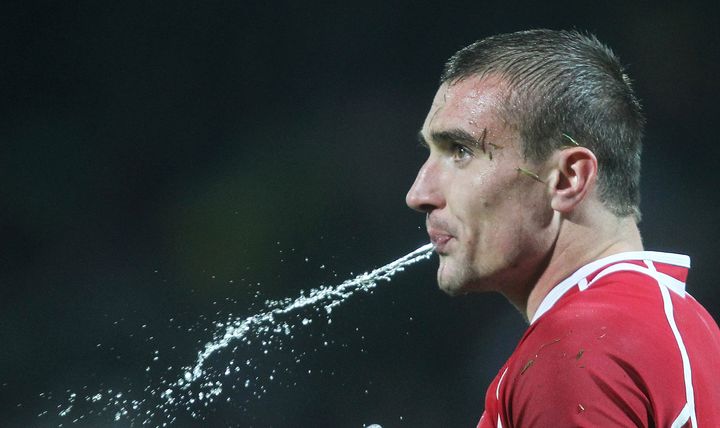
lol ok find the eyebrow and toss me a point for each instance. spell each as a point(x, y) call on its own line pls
point(450, 136)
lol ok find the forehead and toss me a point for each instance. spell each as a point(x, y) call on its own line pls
point(473, 103)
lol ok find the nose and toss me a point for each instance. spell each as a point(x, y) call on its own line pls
point(425, 195)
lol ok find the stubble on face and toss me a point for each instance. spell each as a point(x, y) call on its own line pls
point(484, 200)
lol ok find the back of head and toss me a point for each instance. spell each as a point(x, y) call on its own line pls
point(565, 87)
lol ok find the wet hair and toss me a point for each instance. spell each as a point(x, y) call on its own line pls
point(565, 82)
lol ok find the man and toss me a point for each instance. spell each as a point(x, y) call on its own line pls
point(531, 189)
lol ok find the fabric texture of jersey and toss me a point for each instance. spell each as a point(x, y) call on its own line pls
point(617, 344)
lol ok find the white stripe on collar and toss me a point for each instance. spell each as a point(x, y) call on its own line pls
point(563, 287)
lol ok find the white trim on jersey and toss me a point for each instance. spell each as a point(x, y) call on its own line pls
point(665, 282)
point(664, 279)
point(497, 397)
point(684, 415)
point(576, 278)
point(497, 390)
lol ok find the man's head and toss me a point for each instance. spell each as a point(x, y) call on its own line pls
point(564, 82)
point(500, 176)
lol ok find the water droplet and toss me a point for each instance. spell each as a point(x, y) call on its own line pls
point(266, 328)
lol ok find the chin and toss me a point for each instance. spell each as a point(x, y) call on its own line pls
point(452, 285)
point(452, 291)
point(454, 279)
point(456, 282)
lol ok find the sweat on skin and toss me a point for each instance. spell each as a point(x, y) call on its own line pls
point(495, 228)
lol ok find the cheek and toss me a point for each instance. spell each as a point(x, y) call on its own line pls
point(485, 224)
point(512, 214)
point(536, 209)
point(492, 198)
point(493, 206)
point(474, 211)
point(526, 220)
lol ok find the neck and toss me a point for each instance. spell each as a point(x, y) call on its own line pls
point(579, 243)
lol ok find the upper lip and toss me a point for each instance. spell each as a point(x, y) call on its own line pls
point(437, 231)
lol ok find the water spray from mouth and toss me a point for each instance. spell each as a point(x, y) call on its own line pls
point(334, 296)
point(200, 384)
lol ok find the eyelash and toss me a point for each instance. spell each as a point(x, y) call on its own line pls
point(460, 152)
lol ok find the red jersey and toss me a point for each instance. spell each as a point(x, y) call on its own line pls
point(617, 344)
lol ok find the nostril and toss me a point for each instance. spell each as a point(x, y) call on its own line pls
point(426, 208)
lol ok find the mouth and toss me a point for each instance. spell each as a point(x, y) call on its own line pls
point(440, 240)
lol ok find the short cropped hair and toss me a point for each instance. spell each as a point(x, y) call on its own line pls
point(565, 84)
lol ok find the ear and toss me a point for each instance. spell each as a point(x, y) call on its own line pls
point(575, 176)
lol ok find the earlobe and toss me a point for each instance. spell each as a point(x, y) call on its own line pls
point(575, 175)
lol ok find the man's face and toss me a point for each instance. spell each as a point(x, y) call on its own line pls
point(492, 225)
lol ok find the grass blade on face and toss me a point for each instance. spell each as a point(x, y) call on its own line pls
point(530, 174)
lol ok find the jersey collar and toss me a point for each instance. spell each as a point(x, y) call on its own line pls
point(563, 287)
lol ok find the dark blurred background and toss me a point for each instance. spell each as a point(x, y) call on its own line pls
point(166, 165)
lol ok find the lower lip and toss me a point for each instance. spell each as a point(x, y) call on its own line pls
point(441, 243)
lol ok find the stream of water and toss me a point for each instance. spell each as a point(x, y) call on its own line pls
point(198, 386)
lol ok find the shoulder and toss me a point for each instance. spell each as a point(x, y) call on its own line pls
point(622, 316)
point(587, 359)
point(618, 322)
